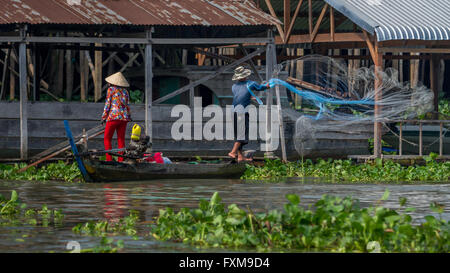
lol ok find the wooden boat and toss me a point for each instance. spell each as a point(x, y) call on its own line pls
point(103, 171)
point(95, 170)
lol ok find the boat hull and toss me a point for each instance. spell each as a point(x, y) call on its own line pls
point(102, 171)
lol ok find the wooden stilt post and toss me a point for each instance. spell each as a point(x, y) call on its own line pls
point(434, 63)
point(69, 75)
point(377, 58)
point(378, 96)
point(400, 141)
point(148, 85)
point(98, 74)
point(83, 77)
point(280, 119)
point(60, 74)
point(269, 93)
point(12, 77)
point(23, 101)
point(36, 62)
point(191, 95)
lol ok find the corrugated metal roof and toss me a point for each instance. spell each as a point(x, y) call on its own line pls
point(134, 12)
point(399, 19)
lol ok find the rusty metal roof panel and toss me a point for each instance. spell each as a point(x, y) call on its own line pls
point(134, 12)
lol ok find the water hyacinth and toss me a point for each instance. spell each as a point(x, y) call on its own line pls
point(335, 225)
point(54, 171)
point(345, 170)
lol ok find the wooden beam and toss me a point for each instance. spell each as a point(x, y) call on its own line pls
point(23, 101)
point(287, 15)
point(332, 24)
point(323, 38)
point(252, 65)
point(370, 46)
point(415, 50)
point(210, 76)
point(120, 40)
point(291, 25)
point(91, 67)
point(310, 18)
point(319, 21)
point(5, 69)
point(279, 28)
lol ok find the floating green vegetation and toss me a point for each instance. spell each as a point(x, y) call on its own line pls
point(104, 229)
point(15, 213)
point(53, 171)
point(345, 170)
point(123, 226)
point(335, 225)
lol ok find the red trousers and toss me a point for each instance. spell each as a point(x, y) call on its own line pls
point(111, 126)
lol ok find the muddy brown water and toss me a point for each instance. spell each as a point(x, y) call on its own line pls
point(84, 202)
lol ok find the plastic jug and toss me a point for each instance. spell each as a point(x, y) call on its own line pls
point(136, 132)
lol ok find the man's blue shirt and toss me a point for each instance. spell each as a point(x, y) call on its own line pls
point(241, 96)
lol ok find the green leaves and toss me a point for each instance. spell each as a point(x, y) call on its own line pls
point(335, 171)
point(53, 171)
point(333, 224)
point(385, 195)
point(293, 198)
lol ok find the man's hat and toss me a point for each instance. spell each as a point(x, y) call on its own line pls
point(241, 73)
point(118, 79)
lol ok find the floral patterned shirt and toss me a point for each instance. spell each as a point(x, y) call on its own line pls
point(116, 105)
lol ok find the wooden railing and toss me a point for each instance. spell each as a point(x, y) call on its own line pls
point(421, 122)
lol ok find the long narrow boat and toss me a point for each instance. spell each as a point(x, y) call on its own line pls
point(102, 171)
point(95, 170)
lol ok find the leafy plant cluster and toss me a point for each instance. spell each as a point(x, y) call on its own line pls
point(126, 225)
point(335, 225)
point(444, 107)
point(103, 229)
point(14, 213)
point(53, 171)
point(345, 170)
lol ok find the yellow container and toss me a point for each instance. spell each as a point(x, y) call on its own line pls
point(136, 132)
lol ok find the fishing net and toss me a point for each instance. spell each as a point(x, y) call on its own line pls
point(335, 97)
point(349, 95)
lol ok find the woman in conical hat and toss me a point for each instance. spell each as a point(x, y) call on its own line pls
point(116, 113)
point(242, 95)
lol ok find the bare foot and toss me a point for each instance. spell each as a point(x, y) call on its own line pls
point(232, 155)
point(244, 159)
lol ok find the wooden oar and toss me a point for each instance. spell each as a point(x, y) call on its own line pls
point(56, 153)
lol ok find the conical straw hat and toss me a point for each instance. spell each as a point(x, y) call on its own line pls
point(241, 73)
point(118, 79)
